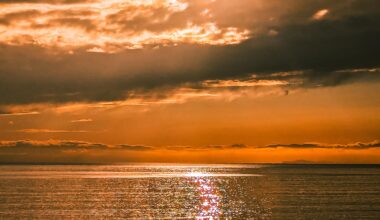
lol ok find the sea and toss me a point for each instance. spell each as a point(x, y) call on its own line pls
point(181, 191)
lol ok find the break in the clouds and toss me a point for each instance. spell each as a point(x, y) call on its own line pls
point(93, 51)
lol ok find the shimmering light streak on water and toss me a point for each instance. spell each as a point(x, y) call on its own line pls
point(143, 191)
point(209, 197)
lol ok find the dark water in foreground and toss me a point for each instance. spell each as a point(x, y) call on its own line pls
point(190, 192)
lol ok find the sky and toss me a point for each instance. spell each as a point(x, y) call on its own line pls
point(189, 81)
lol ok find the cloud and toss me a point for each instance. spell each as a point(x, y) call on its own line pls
point(109, 26)
point(17, 113)
point(134, 147)
point(24, 151)
point(353, 146)
point(61, 150)
point(63, 145)
point(81, 120)
point(57, 147)
point(50, 144)
point(49, 131)
point(180, 47)
point(58, 151)
point(46, 1)
point(206, 148)
point(320, 14)
point(232, 146)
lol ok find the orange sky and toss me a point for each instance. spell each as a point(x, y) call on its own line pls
point(189, 81)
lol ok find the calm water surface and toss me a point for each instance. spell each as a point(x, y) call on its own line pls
point(147, 191)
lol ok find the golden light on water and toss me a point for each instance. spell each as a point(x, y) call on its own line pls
point(209, 198)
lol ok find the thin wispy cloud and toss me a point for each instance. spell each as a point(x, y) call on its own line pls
point(18, 113)
point(50, 131)
point(352, 146)
point(81, 120)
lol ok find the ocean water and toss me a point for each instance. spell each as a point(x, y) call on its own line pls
point(154, 191)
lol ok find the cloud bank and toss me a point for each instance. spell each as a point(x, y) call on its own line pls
point(80, 151)
point(96, 51)
point(353, 146)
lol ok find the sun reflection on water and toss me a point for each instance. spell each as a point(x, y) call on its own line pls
point(210, 200)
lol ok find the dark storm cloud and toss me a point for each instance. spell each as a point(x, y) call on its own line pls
point(340, 48)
